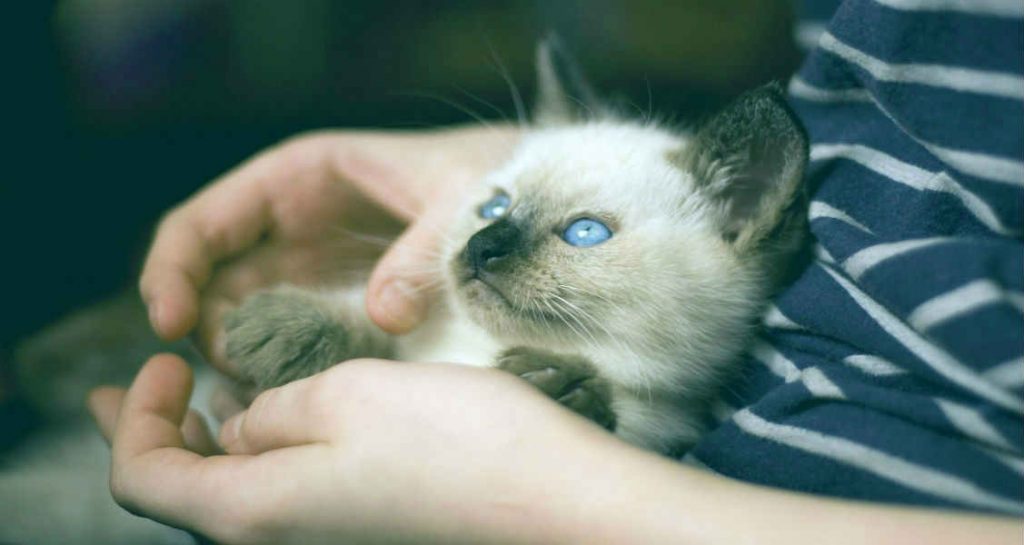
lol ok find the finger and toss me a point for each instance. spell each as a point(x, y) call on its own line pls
point(281, 417)
point(154, 476)
point(227, 217)
point(176, 268)
point(154, 407)
point(399, 288)
point(104, 404)
point(152, 472)
point(209, 333)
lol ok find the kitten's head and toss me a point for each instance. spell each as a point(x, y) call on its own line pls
point(605, 228)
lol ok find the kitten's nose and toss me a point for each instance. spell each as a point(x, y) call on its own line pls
point(492, 243)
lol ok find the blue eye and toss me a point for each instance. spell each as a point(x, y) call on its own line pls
point(586, 232)
point(495, 207)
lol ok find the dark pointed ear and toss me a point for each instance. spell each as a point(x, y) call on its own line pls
point(749, 160)
point(563, 94)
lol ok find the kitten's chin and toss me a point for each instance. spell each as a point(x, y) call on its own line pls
point(481, 296)
point(488, 307)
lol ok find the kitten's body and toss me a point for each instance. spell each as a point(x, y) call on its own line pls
point(637, 332)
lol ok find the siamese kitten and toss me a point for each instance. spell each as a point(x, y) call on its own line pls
point(618, 266)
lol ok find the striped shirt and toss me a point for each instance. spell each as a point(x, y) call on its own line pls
point(892, 370)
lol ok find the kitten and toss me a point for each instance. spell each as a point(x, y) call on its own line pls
point(618, 266)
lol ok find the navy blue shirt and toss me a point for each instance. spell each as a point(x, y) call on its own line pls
point(892, 370)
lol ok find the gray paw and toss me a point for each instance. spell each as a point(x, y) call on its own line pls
point(572, 381)
point(283, 335)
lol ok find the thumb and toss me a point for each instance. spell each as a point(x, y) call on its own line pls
point(287, 416)
point(397, 295)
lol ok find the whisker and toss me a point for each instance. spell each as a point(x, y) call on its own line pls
point(363, 237)
point(501, 113)
point(451, 103)
point(517, 99)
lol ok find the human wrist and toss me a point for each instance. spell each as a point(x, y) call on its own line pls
point(642, 498)
point(599, 489)
point(633, 496)
point(669, 502)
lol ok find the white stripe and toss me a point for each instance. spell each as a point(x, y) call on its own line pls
point(801, 89)
point(876, 462)
point(819, 384)
point(999, 8)
point(819, 209)
point(861, 262)
point(915, 177)
point(1009, 374)
point(972, 424)
point(981, 165)
point(775, 319)
point(873, 365)
point(1015, 463)
point(776, 362)
point(812, 378)
point(808, 34)
point(957, 302)
point(935, 357)
point(821, 254)
point(935, 75)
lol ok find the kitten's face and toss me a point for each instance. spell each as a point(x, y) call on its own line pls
point(592, 232)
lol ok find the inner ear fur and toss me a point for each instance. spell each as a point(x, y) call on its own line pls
point(749, 160)
point(563, 93)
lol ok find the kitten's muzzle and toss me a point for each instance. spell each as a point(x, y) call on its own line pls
point(491, 245)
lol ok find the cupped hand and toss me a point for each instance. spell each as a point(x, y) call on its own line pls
point(369, 451)
point(303, 212)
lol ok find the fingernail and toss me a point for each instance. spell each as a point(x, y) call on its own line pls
point(154, 314)
point(230, 430)
point(400, 302)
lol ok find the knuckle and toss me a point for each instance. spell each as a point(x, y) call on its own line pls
point(249, 523)
point(295, 150)
point(350, 380)
point(258, 409)
point(122, 491)
point(306, 138)
point(170, 221)
point(328, 388)
point(355, 373)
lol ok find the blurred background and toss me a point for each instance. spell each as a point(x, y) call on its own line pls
point(119, 109)
point(122, 108)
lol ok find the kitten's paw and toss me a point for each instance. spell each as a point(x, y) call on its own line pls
point(570, 380)
point(283, 335)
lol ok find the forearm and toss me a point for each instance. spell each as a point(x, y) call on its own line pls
point(643, 498)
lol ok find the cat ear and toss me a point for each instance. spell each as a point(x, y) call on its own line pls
point(563, 94)
point(749, 160)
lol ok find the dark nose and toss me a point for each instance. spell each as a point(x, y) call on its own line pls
point(492, 243)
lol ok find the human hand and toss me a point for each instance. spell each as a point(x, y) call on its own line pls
point(283, 217)
point(369, 451)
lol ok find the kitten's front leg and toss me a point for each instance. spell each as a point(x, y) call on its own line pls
point(289, 333)
point(571, 380)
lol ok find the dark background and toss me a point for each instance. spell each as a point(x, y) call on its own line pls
point(118, 109)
